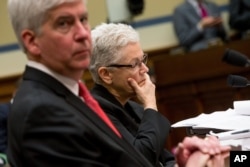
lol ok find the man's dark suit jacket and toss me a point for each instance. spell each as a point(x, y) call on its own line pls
point(145, 130)
point(239, 14)
point(51, 127)
point(4, 111)
point(185, 20)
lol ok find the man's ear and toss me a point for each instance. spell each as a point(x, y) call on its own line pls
point(29, 40)
point(105, 75)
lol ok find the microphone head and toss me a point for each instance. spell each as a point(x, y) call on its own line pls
point(235, 58)
point(237, 81)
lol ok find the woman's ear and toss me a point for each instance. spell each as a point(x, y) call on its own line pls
point(29, 40)
point(105, 75)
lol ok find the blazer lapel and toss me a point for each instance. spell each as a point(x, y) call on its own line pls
point(91, 115)
point(138, 110)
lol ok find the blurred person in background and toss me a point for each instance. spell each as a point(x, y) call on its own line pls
point(198, 25)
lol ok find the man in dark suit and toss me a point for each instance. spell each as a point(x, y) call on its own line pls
point(118, 67)
point(49, 124)
point(239, 16)
point(198, 24)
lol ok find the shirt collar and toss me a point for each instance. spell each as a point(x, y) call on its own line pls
point(71, 84)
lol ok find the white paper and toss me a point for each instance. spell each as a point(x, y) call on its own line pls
point(204, 118)
point(222, 120)
point(230, 120)
point(242, 107)
point(226, 122)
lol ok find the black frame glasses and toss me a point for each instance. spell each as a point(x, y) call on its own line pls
point(138, 63)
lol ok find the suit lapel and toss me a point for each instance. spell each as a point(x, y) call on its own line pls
point(91, 115)
point(112, 107)
point(61, 90)
point(192, 12)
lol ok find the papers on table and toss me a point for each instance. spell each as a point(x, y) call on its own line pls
point(231, 121)
point(242, 107)
point(223, 120)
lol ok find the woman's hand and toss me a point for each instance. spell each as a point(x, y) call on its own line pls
point(145, 92)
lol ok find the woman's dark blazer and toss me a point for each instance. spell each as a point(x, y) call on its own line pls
point(145, 130)
point(51, 127)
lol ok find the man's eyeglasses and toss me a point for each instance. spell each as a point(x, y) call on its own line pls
point(136, 64)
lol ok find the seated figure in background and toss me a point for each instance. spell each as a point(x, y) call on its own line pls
point(198, 25)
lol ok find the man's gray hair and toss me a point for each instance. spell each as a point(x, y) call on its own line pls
point(31, 14)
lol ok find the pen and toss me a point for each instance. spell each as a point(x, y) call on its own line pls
point(241, 131)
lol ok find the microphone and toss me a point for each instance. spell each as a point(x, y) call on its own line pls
point(236, 58)
point(237, 81)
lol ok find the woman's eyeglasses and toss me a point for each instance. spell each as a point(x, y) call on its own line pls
point(136, 64)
